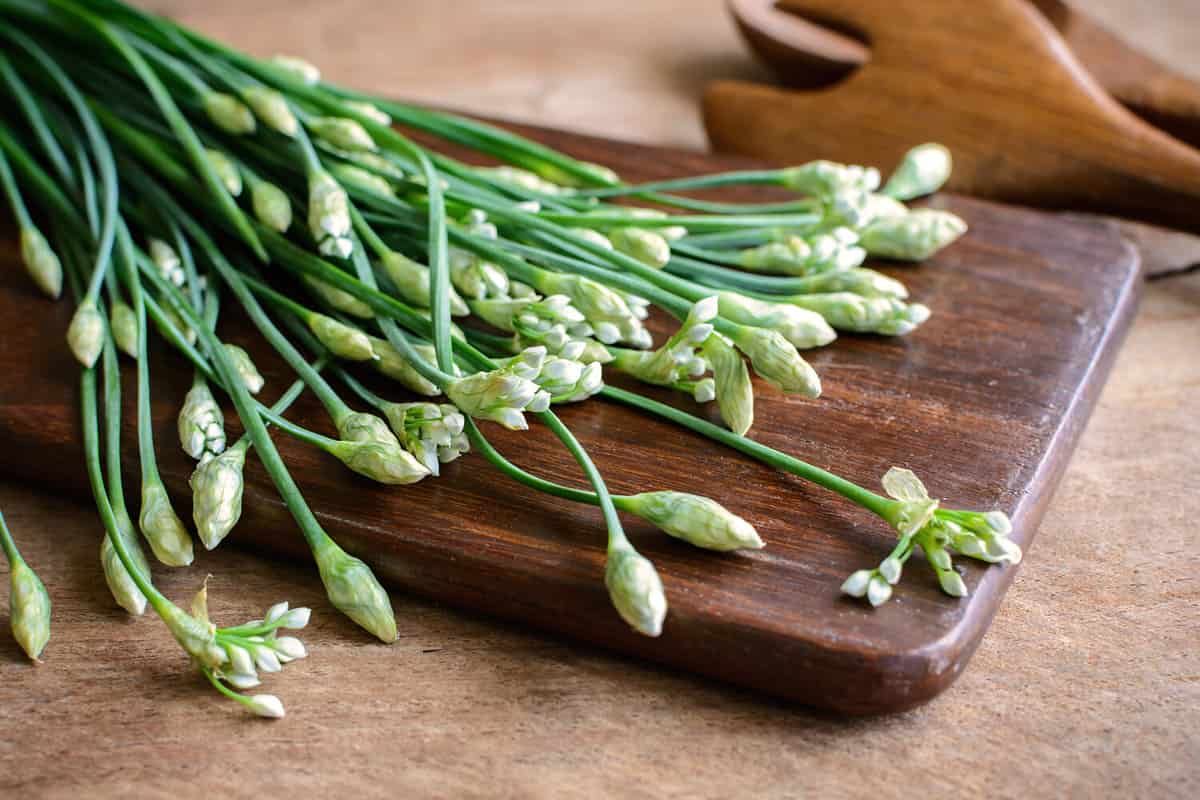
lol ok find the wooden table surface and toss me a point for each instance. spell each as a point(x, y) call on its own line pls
point(1086, 686)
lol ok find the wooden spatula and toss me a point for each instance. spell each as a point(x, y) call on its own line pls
point(995, 80)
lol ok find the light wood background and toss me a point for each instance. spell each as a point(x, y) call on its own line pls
point(1087, 685)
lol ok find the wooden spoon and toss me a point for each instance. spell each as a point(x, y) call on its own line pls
point(994, 80)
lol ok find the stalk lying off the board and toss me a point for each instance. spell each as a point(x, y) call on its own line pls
point(175, 178)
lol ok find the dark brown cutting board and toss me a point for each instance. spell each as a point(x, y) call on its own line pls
point(985, 403)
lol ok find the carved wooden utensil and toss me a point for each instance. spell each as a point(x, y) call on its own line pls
point(997, 81)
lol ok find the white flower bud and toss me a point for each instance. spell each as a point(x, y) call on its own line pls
point(240, 661)
point(298, 68)
point(160, 525)
point(360, 426)
point(272, 108)
point(938, 557)
point(338, 299)
point(369, 110)
point(646, 246)
point(354, 590)
point(341, 340)
point(914, 237)
point(244, 366)
point(734, 391)
point(879, 591)
point(329, 213)
point(41, 262)
point(890, 569)
point(392, 364)
point(384, 463)
point(342, 132)
point(228, 113)
point(800, 326)
point(775, 359)
point(289, 648)
point(86, 333)
point(856, 585)
point(217, 486)
point(271, 205)
point(226, 169)
point(123, 324)
point(200, 422)
point(695, 519)
point(923, 170)
point(296, 618)
point(276, 611)
point(120, 583)
point(266, 659)
point(790, 257)
point(240, 680)
point(29, 609)
point(636, 591)
point(266, 705)
point(952, 583)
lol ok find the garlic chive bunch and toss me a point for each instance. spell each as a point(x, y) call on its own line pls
point(180, 192)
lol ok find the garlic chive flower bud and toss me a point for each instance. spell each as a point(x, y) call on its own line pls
point(803, 327)
point(392, 364)
point(502, 394)
point(500, 311)
point(341, 340)
point(775, 360)
point(354, 590)
point(369, 110)
point(913, 237)
point(880, 207)
point(228, 113)
point(552, 322)
point(695, 519)
point(272, 108)
point(851, 312)
point(342, 132)
point(161, 526)
point(41, 262)
point(217, 486)
point(856, 280)
point(520, 178)
point(226, 169)
point(348, 173)
point(271, 206)
point(297, 68)
point(329, 215)
point(593, 236)
point(338, 299)
point(412, 282)
point(28, 608)
point(646, 246)
point(635, 590)
point(85, 335)
point(922, 171)
point(702, 391)
point(266, 705)
point(120, 583)
point(201, 423)
point(123, 323)
point(429, 431)
point(679, 357)
point(360, 426)
point(476, 278)
point(384, 463)
point(170, 266)
point(604, 309)
point(566, 379)
point(789, 257)
point(734, 391)
point(244, 366)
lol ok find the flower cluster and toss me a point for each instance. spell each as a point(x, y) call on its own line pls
point(503, 394)
point(432, 432)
